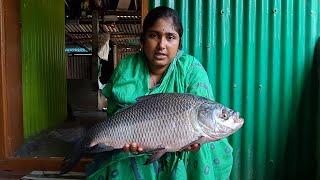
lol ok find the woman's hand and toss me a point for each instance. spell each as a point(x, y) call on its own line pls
point(133, 147)
point(193, 148)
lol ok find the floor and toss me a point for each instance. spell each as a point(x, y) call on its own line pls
point(40, 175)
point(12, 174)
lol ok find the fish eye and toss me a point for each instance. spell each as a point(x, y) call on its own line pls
point(224, 114)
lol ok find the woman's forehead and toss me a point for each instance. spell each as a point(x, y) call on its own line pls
point(163, 25)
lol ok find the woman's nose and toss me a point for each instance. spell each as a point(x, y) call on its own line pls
point(162, 43)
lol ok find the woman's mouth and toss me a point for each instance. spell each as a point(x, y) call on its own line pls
point(160, 56)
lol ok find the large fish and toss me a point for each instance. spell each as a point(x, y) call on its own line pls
point(159, 123)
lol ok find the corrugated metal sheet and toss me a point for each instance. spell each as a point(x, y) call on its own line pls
point(317, 62)
point(126, 31)
point(43, 65)
point(258, 55)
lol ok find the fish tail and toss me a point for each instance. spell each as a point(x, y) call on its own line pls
point(71, 160)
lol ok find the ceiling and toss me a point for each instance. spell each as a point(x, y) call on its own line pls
point(120, 18)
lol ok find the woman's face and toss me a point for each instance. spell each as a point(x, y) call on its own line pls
point(161, 43)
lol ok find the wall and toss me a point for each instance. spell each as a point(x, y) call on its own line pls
point(43, 65)
point(259, 58)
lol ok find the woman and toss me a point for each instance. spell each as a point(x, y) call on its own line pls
point(161, 67)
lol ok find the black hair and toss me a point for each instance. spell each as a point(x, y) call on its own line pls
point(158, 13)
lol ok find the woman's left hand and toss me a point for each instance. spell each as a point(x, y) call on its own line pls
point(193, 148)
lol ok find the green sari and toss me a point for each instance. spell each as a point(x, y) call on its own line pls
point(131, 80)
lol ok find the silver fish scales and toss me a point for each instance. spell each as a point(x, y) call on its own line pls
point(162, 123)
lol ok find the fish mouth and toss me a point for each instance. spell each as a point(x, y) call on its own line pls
point(239, 120)
point(236, 118)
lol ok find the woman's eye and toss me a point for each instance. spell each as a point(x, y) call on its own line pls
point(171, 37)
point(153, 35)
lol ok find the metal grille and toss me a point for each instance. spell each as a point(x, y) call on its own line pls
point(79, 67)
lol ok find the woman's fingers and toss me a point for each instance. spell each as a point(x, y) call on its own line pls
point(193, 148)
point(189, 148)
point(126, 147)
point(140, 149)
point(133, 147)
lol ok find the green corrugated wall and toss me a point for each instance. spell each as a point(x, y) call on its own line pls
point(317, 63)
point(259, 58)
point(43, 64)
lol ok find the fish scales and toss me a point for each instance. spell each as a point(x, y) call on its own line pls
point(167, 121)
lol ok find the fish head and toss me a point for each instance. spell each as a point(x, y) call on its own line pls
point(218, 121)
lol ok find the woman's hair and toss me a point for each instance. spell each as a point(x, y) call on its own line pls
point(158, 13)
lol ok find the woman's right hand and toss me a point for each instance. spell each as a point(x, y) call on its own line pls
point(133, 147)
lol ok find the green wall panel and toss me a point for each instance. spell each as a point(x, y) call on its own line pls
point(317, 86)
point(43, 64)
point(259, 56)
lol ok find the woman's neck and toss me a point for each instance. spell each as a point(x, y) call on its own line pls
point(159, 71)
point(155, 76)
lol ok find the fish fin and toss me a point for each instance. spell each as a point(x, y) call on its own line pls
point(71, 160)
point(200, 140)
point(98, 148)
point(154, 150)
point(156, 155)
